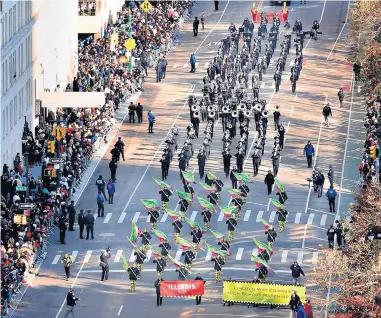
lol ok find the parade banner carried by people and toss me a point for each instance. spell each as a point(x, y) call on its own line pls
point(261, 262)
point(260, 293)
point(192, 224)
point(188, 176)
point(265, 224)
point(184, 288)
point(243, 177)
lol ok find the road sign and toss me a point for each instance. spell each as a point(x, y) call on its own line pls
point(21, 188)
point(59, 132)
point(146, 6)
point(57, 160)
point(130, 44)
point(26, 206)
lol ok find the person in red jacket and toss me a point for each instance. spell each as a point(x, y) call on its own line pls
point(308, 309)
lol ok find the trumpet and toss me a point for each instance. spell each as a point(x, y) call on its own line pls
point(196, 114)
point(234, 114)
point(265, 113)
point(195, 108)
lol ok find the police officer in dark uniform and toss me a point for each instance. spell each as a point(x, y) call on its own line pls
point(233, 178)
point(62, 227)
point(201, 164)
point(164, 167)
point(81, 223)
point(120, 146)
point(226, 158)
point(131, 113)
point(71, 212)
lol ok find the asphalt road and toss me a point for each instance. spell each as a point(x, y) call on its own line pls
point(324, 71)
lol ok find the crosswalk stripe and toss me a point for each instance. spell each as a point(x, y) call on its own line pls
point(193, 216)
point(185, 65)
point(197, 64)
point(206, 65)
point(220, 217)
point(95, 217)
point(118, 255)
point(323, 219)
point(239, 254)
point(87, 256)
point(208, 256)
point(174, 66)
point(149, 254)
point(310, 218)
point(122, 216)
point(148, 218)
point(107, 218)
point(284, 256)
point(291, 63)
point(297, 217)
point(178, 254)
point(259, 216)
point(164, 218)
point(300, 258)
point(315, 257)
point(74, 254)
point(247, 215)
point(263, 85)
point(132, 257)
point(272, 217)
point(255, 251)
point(136, 217)
point(56, 259)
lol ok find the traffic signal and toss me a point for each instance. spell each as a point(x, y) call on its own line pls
point(372, 152)
point(51, 147)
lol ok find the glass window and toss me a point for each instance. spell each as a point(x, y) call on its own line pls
point(31, 91)
point(3, 123)
point(10, 21)
point(6, 120)
point(3, 89)
point(20, 104)
point(10, 71)
point(16, 106)
point(6, 76)
point(19, 15)
point(27, 94)
point(14, 74)
point(14, 19)
point(18, 61)
point(5, 28)
point(11, 115)
point(22, 58)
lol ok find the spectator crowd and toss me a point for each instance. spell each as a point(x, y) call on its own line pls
point(24, 232)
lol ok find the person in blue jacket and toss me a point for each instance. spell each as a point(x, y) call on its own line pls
point(309, 152)
point(192, 62)
point(331, 195)
point(151, 121)
point(111, 191)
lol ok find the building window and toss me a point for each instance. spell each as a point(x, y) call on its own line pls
point(20, 104)
point(31, 92)
point(22, 58)
point(6, 120)
point(3, 123)
point(14, 19)
point(9, 71)
point(11, 116)
point(5, 28)
point(14, 73)
point(6, 77)
point(27, 93)
point(3, 75)
point(10, 21)
point(16, 106)
point(19, 15)
point(22, 9)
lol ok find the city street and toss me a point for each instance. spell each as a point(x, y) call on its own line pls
point(325, 70)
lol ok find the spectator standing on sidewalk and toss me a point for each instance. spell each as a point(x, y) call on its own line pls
point(111, 191)
point(67, 261)
point(151, 121)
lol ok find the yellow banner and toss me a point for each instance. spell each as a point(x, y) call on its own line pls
point(258, 293)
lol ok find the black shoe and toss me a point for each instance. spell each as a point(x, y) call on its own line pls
point(63, 242)
point(92, 238)
point(81, 238)
point(87, 238)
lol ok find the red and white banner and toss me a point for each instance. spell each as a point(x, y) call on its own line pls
point(181, 288)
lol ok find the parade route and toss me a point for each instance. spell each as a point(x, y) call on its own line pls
point(324, 72)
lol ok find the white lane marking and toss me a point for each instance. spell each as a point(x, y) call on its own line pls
point(310, 218)
point(74, 254)
point(239, 254)
point(136, 217)
point(149, 254)
point(107, 218)
point(315, 256)
point(122, 217)
point(95, 217)
point(178, 254)
point(268, 204)
point(220, 217)
point(255, 251)
point(56, 259)
point(175, 66)
point(292, 110)
point(193, 216)
point(300, 258)
point(120, 310)
point(164, 218)
point(297, 218)
point(157, 151)
point(206, 65)
point(185, 65)
point(87, 257)
point(148, 219)
point(132, 257)
point(208, 256)
point(291, 63)
point(118, 255)
point(284, 256)
point(295, 98)
point(210, 32)
point(338, 37)
point(272, 217)
point(259, 216)
point(262, 85)
point(247, 215)
point(323, 219)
